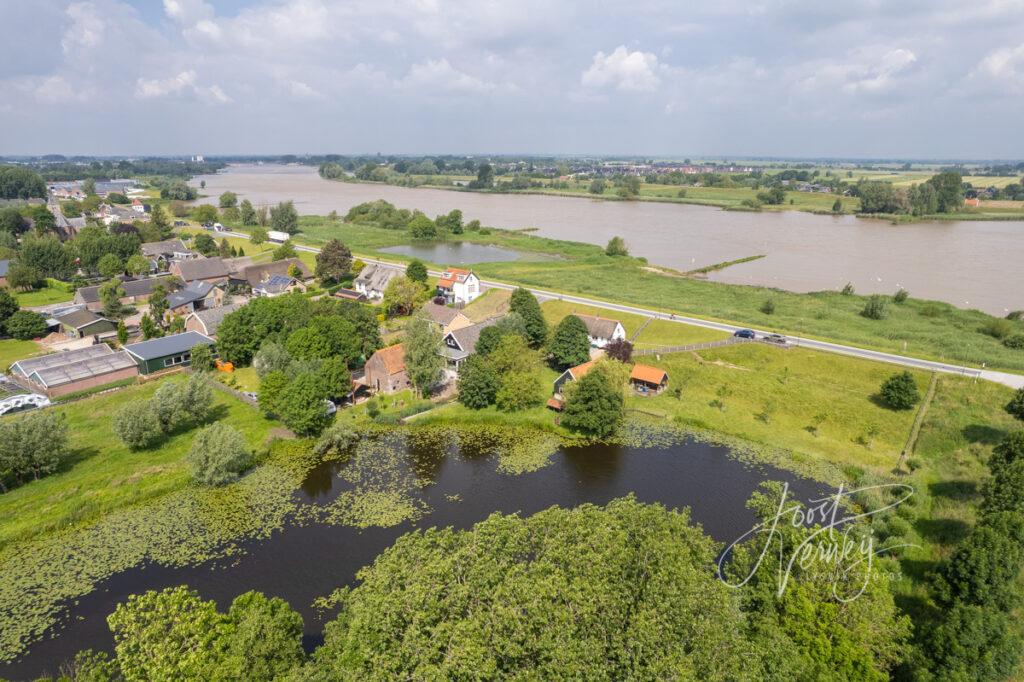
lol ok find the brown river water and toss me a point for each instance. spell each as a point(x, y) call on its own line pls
point(971, 264)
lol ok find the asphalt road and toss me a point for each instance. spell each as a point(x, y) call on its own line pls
point(1011, 380)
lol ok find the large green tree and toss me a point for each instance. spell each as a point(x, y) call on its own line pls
point(423, 359)
point(334, 261)
point(284, 218)
point(218, 454)
point(478, 383)
point(301, 406)
point(594, 404)
point(525, 304)
point(570, 344)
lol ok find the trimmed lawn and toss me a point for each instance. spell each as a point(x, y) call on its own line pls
point(555, 310)
point(12, 350)
point(43, 296)
point(666, 333)
point(245, 378)
point(103, 474)
point(493, 302)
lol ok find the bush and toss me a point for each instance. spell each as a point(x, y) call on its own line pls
point(519, 391)
point(337, 439)
point(998, 328)
point(848, 289)
point(34, 445)
point(768, 307)
point(202, 358)
point(478, 383)
point(616, 247)
point(900, 391)
point(138, 426)
point(874, 309)
point(25, 324)
point(1015, 342)
point(1016, 404)
point(218, 454)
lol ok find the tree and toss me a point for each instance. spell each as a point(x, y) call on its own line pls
point(837, 205)
point(25, 324)
point(264, 641)
point(616, 247)
point(149, 328)
point(597, 186)
point(874, 309)
point(204, 214)
point(570, 344)
point(423, 360)
point(247, 214)
point(158, 219)
point(177, 403)
point(271, 357)
point(32, 446)
point(202, 358)
point(570, 598)
point(983, 568)
point(122, 332)
point(21, 276)
point(224, 248)
point(137, 265)
point(48, 256)
point(619, 349)
point(949, 193)
point(337, 378)
point(519, 391)
point(284, 217)
point(416, 271)
point(17, 182)
point(901, 296)
point(973, 643)
point(490, 337)
point(137, 426)
point(272, 385)
point(900, 391)
point(421, 227)
point(218, 455)
point(525, 304)
point(88, 186)
point(301, 404)
point(110, 266)
point(1016, 404)
point(204, 244)
point(228, 200)
point(1007, 451)
point(284, 252)
point(111, 293)
point(484, 176)
point(478, 383)
point(11, 221)
point(401, 295)
point(333, 262)
point(8, 306)
point(594, 404)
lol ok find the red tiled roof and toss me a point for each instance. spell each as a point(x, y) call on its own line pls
point(580, 371)
point(555, 404)
point(648, 374)
point(452, 275)
point(393, 358)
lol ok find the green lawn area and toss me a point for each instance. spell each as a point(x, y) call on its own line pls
point(491, 303)
point(105, 475)
point(245, 378)
point(43, 296)
point(665, 333)
point(555, 310)
point(12, 350)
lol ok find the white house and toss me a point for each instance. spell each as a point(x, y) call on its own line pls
point(601, 330)
point(458, 286)
point(373, 279)
point(278, 237)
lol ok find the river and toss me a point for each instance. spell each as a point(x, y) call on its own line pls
point(305, 561)
point(970, 264)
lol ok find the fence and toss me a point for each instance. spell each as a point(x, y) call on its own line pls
point(664, 350)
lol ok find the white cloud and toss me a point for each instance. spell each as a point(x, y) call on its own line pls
point(440, 75)
point(1004, 67)
point(884, 73)
point(146, 88)
point(188, 12)
point(624, 70)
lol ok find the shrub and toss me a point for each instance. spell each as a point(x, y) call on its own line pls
point(1015, 315)
point(34, 445)
point(519, 391)
point(768, 307)
point(616, 247)
point(901, 295)
point(1016, 404)
point(478, 383)
point(138, 426)
point(1015, 342)
point(218, 454)
point(271, 386)
point(900, 391)
point(25, 324)
point(202, 358)
point(874, 309)
point(998, 328)
point(619, 349)
point(338, 438)
point(848, 289)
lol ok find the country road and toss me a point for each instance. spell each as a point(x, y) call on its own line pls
point(1005, 378)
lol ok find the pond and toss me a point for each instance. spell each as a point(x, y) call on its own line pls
point(456, 487)
point(460, 253)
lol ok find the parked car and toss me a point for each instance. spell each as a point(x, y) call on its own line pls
point(745, 333)
point(776, 338)
point(330, 407)
point(250, 395)
point(207, 226)
point(180, 223)
point(218, 227)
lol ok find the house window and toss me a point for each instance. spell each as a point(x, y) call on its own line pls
point(177, 359)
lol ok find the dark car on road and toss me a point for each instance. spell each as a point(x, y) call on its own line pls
point(745, 333)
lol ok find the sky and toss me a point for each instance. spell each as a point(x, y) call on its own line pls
point(921, 79)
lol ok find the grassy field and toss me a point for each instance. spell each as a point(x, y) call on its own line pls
point(555, 310)
point(43, 296)
point(104, 475)
point(491, 303)
point(245, 378)
point(12, 350)
point(661, 333)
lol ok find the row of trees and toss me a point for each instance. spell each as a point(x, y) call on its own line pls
point(943, 193)
point(591, 593)
point(384, 214)
point(17, 182)
point(175, 406)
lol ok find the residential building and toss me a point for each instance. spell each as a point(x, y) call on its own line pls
point(602, 330)
point(252, 276)
point(385, 371)
point(373, 279)
point(647, 380)
point(168, 250)
point(350, 295)
point(166, 352)
point(135, 291)
point(213, 270)
point(447, 319)
point(194, 296)
point(276, 285)
point(78, 324)
point(458, 286)
point(572, 374)
point(459, 344)
point(74, 370)
point(139, 207)
point(207, 321)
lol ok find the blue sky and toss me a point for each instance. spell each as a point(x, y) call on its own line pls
point(797, 78)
